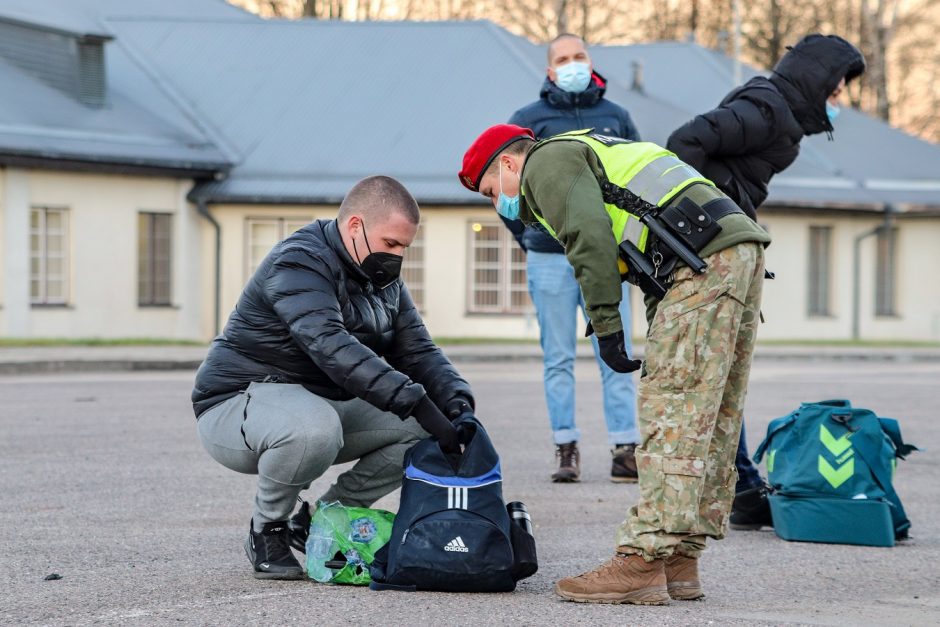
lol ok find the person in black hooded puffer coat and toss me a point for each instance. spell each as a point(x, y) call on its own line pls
point(756, 130)
point(325, 360)
point(753, 134)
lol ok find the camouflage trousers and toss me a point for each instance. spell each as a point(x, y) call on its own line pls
point(691, 399)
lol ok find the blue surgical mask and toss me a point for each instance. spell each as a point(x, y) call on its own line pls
point(506, 206)
point(832, 111)
point(573, 77)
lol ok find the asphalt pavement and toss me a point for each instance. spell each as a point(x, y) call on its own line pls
point(104, 482)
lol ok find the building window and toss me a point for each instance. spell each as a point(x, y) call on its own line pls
point(154, 259)
point(497, 282)
point(885, 273)
point(820, 270)
point(48, 256)
point(412, 269)
point(261, 234)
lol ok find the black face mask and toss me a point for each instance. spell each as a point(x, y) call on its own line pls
point(383, 269)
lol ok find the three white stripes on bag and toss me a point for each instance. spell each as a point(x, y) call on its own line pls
point(457, 498)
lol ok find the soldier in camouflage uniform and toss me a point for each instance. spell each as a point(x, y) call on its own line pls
point(698, 351)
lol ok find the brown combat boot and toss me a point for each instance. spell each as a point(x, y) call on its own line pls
point(623, 467)
point(569, 464)
point(621, 579)
point(682, 578)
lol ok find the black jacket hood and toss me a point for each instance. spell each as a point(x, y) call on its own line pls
point(561, 99)
point(810, 71)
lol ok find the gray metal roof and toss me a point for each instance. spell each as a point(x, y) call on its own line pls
point(309, 107)
point(143, 127)
point(303, 109)
point(85, 17)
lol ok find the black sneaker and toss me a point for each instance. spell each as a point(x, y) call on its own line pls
point(750, 509)
point(269, 552)
point(623, 466)
point(299, 525)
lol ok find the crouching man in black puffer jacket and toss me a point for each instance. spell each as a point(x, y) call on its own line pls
point(325, 360)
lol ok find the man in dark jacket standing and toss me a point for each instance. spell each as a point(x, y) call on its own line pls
point(297, 382)
point(753, 134)
point(572, 98)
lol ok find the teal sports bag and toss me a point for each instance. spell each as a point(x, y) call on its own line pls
point(832, 468)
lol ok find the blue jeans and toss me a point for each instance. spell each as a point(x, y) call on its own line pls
point(748, 475)
point(557, 297)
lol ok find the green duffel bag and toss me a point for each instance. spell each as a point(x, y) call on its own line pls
point(343, 541)
point(832, 467)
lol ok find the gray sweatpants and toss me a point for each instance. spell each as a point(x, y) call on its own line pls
point(289, 437)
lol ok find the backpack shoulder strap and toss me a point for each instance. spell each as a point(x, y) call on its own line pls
point(881, 471)
point(772, 429)
point(893, 430)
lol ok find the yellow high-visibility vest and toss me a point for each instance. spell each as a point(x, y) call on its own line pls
point(650, 171)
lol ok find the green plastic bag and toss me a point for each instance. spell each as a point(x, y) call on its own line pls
point(343, 542)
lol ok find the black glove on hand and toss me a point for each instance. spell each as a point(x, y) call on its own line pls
point(615, 355)
point(436, 423)
point(457, 407)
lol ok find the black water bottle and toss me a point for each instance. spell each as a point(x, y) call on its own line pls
point(520, 515)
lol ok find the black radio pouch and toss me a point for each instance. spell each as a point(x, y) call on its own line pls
point(690, 223)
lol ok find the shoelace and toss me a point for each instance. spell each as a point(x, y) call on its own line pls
point(278, 541)
point(567, 455)
point(599, 571)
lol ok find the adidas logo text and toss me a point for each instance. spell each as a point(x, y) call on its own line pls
point(456, 545)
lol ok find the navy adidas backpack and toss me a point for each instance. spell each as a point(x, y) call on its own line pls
point(452, 531)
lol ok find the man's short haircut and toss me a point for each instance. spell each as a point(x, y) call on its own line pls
point(551, 44)
point(377, 198)
point(518, 147)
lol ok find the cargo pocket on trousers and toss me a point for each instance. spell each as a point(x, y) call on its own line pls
point(683, 482)
point(697, 342)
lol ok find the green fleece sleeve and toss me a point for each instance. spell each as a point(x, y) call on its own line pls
point(561, 184)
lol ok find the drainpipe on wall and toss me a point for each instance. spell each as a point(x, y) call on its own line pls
point(857, 270)
point(203, 210)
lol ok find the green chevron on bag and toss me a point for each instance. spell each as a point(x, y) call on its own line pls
point(832, 468)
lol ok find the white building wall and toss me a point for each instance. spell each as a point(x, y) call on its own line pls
point(785, 302)
point(103, 264)
point(15, 316)
point(447, 254)
point(448, 246)
point(918, 300)
point(103, 240)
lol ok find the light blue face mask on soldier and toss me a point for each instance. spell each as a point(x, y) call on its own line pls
point(573, 77)
point(506, 206)
point(832, 111)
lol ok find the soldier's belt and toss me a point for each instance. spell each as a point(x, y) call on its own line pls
point(677, 233)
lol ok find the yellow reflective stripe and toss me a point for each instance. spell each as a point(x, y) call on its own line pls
point(633, 231)
point(644, 183)
point(677, 176)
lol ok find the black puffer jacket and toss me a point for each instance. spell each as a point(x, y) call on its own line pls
point(309, 315)
point(756, 130)
point(559, 111)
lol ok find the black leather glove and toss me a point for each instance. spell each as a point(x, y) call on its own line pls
point(458, 407)
point(465, 431)
point(436, 423)
point(615, 355)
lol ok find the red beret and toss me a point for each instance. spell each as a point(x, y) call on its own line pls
point(481, 153)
